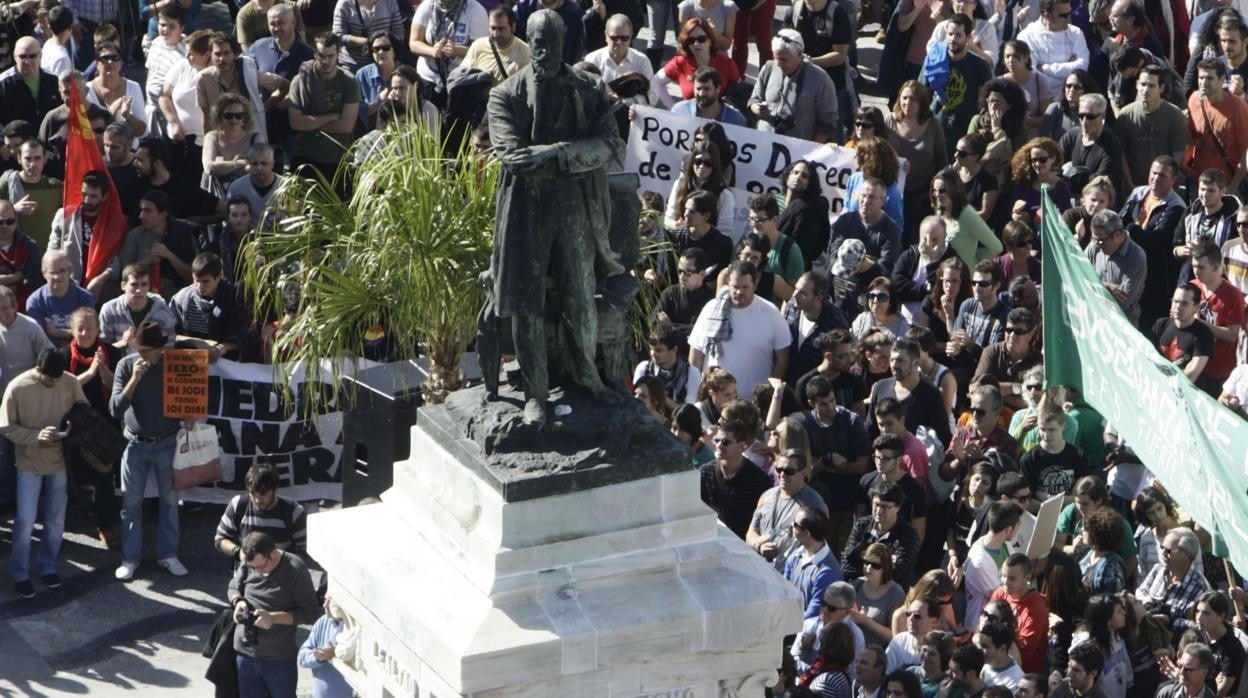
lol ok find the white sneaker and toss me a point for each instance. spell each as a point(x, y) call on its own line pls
point(126, 571)
point(174, 566)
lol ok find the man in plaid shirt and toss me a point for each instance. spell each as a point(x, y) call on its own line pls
point(1171, 589)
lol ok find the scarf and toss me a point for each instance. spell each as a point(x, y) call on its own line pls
point(676, 380)
point(719, 324)
point(80, 362)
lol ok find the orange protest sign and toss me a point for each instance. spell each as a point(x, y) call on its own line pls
point(186, 383)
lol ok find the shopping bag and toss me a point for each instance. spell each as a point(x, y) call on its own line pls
point(197, 459)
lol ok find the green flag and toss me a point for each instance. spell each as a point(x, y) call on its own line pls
point(1195, 446)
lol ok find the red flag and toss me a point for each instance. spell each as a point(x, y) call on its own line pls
point(82, 155)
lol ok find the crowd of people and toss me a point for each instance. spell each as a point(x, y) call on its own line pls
point(863, 392)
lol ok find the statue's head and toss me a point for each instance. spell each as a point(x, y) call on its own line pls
point(546, 32)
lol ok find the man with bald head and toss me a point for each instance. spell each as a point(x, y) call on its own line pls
point(27, 92)
point(52, 304)
point(617, 58)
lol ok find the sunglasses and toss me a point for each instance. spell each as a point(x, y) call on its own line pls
point(789, 471)
point(8, 221)
point(110, 58)
point(980, 283)
point(1022, 498)
point(234, 115)
point(872, 565)
point(702, 161)
point(1017, 330)
point(1063, 15)
point(383, 47)
point(979, 411)
point(1073, 86)
point(877, 296)
point(620, 39)
point(28, 56)
point(1040, 160)
point(1034, 386)
point(699, 39)
point(1088, 116)
point(864, 124)
point(1241, 224)
point(958, 152)
point(686, 272)
point(833, 609)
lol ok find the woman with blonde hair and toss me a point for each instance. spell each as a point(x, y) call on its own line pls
point(1098, 194)
point(920, 139)
point(1038, 163)
point(876, 158)
point(226, 145)
point(934, 584)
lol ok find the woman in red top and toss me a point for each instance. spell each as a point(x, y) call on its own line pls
point(697, 50)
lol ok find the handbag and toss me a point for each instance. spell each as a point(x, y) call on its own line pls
point(197, 459)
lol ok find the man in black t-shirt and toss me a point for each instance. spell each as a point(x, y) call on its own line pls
point(1054, 466)
point(837, 347)
point(1092, 150)
point(152, 160)
point(680, 303)
point(701, 210)
point(1187, 343)
point(731, 484)
point(888, 450)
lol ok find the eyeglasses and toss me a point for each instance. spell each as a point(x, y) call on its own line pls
point(981, 283)
point(110, 58)
point(699, 39)
point(979, 412)
point(620, 39)
point(1033, 386)
point(830, 608)
point(8, 221)
point(798, 526)
point(234, 115)
point(1040, 160)
point(1022, 498)
point(1017, 330)
point(383, 47)
point(789, 471)
point(878, 296)
point(686, 272)
point(1088, 116)
point(754, 220)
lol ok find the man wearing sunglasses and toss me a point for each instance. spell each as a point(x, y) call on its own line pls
point(1010, 358)
point(1119, 262)
point(618, 58)
point(771, 529)
point(27, 92)
point(1091, 149)
point(1058, 47)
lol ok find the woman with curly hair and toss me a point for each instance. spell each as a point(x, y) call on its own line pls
point(1002, 121)
point(875, 158)
point(869, 121)
point(1104, 572)
point(1035, 164)
point(920, 139)
point(966, 232)
point(1098, 194)
point(703, 171)
point(805, 216)
point(1063, 115)
point(698, 49)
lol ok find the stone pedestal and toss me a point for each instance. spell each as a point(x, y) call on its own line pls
point(611, 579)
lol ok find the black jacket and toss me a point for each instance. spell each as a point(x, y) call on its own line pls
point(16, 102)
point(904, 286)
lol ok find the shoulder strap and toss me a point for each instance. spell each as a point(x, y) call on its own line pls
point(1204, 110)
point(786, 244)
point(498, 58)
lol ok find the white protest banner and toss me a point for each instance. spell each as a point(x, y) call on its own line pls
point(659, 141)
point(257, 419)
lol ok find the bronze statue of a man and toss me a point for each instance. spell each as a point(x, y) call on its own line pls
point(553, 131)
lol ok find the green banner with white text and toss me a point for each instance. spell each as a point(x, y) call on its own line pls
point(1195, 446)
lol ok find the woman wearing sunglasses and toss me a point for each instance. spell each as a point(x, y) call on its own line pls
point(1062, 115)
point(124, 98)
point(882, 311)
point(698, 49)
point(1037, 164)
point(225, 146)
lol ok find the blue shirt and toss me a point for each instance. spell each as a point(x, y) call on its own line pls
point(727, 115)
point(812, 576)
point(327, 681)
point(43, 307)
point(371, 85)
point(892, 204)
point(271, 59)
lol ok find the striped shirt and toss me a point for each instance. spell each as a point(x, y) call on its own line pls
point(353, 19)
point(285, 521)
point(97, 11)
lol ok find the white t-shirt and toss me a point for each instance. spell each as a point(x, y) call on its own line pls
point(473, 24)
point(1007, 676)
point(903, 651)
point(55, 59)
point(758, 331)
point(138, 104)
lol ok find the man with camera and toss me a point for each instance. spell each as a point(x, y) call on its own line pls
point(270, 595)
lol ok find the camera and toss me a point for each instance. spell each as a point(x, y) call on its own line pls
point(782, 123)
point(250, 632)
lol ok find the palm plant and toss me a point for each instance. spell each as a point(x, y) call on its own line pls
point(402, 254)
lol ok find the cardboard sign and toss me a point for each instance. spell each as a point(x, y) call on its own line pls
point(186, 383)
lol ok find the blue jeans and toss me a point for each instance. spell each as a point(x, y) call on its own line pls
point(266, 678)
point(35, 492)
point(658, 17)
point(137, 460)
point(8, 472)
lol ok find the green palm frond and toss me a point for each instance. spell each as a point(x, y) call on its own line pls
point(403, 252)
